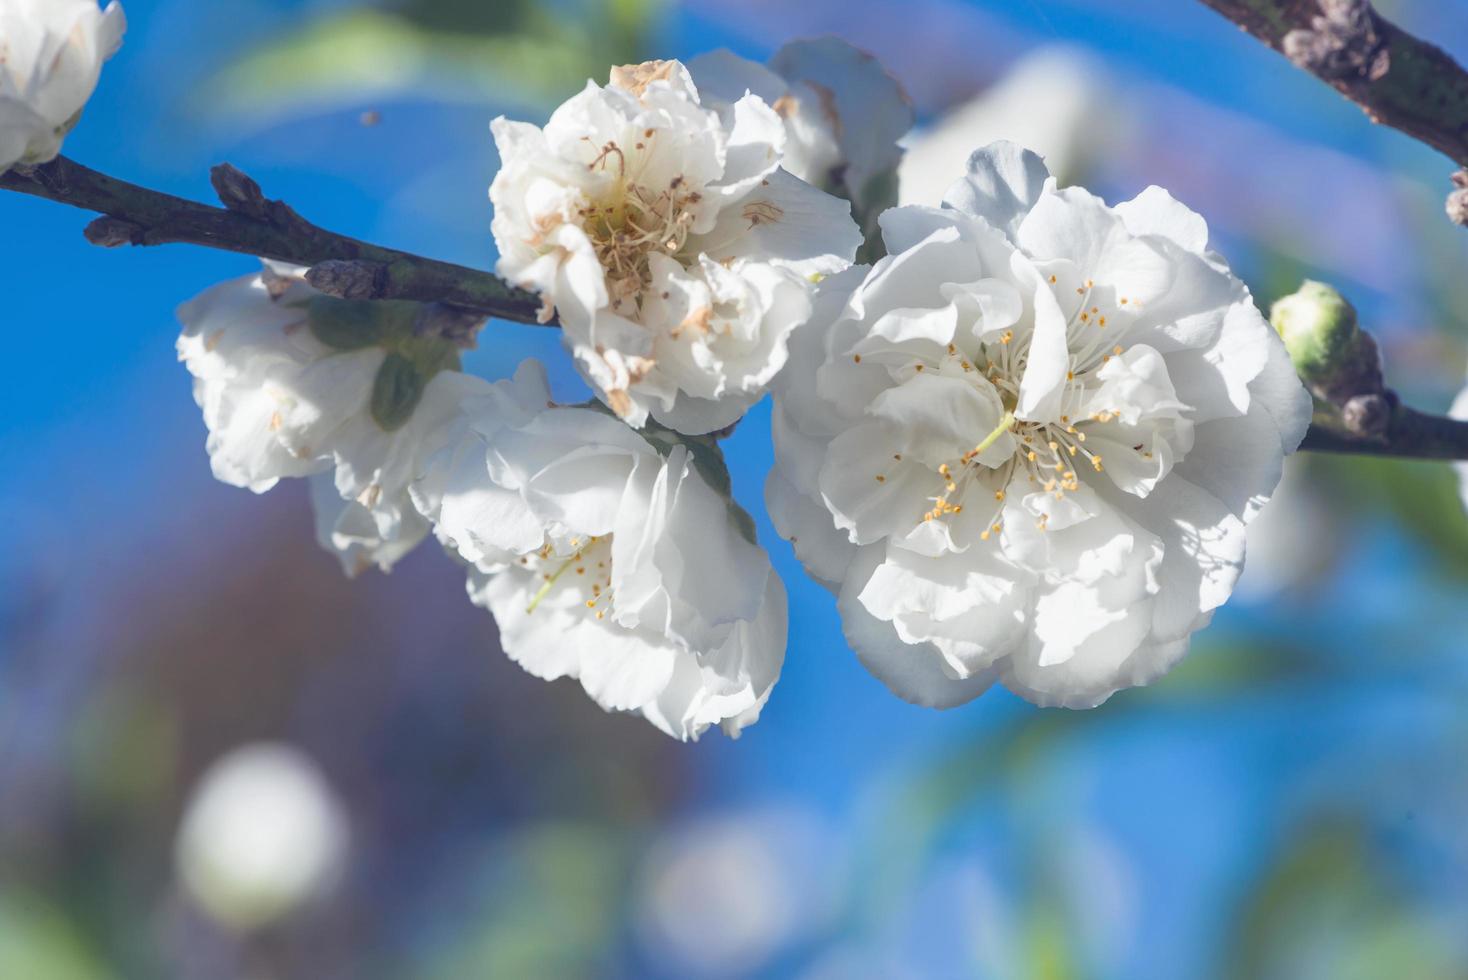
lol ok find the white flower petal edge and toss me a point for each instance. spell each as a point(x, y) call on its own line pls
point(51, 55)
point(279, 402)
point(604, 560)
point(1035, 432)
point(843, 113)
point(674, 250)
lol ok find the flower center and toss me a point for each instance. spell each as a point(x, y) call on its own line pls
point(634, 219)
point(582, 564)
point(1048, 455)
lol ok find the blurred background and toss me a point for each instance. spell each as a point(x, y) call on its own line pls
point(219, 759)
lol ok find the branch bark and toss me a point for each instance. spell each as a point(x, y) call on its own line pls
point(1397, 79)
point(1409, 435)
point(252, 225)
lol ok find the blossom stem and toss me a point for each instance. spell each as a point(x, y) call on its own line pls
point(252, 225)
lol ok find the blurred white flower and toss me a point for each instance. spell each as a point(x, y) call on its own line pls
point(51, 55)
point(724, 895)
point(668, 241)
point(1059, 101)
point(262, 835)
point(1460, 411)
point(603, 559)
point(1291, 541)
point(843, 113)
point(293, 383)
point(1040, 425)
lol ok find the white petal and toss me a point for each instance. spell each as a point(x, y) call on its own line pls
point(1156, 212)
point(785, 221)
point(866, 108)
point(914, 672)
point(1203, 552)
point(724, 77)
point(1460, 411)
point(970, 607)
point(802, 520)
point(348, 530)
point(1003, 183)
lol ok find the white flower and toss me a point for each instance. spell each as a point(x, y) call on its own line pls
point(843, 113)
point(1059, 101)
point(293, 383)
point(673, 248)
point(1460, 411)
point(605, 560)
point(262, 834)
point(1037, 430)
point(51, 54)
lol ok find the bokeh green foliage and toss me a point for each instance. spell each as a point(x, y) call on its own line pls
point(511, 52)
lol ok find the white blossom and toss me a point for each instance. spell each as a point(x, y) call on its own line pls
point(1084, 113)
point(843, 113)
point(605, 560)
point(280, 401)
point(262, 835)
point(51, 55)
point(674, 250)
point(1460, 411)
point(1035, 433)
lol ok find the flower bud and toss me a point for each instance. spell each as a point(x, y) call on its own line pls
point(1331, 353)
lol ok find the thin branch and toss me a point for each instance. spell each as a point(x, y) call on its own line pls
point(1399, 80)
point(1409, 435)
point(252, 225)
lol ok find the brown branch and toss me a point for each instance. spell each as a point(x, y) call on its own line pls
point(1409, 434)
point(1397, 79)
point(252, 225)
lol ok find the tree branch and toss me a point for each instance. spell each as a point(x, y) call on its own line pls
point(1399, 80)
point(252, 225)
point(1409, 435)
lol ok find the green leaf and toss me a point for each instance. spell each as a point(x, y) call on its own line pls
point(344, 324)
point(38, 940)
point(396, 391)
point(880, 193)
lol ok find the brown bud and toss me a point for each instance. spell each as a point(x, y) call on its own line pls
point(348, 278)
point(237, 190)
point(1367, 415)
point(110, 232)
point(1458, 200)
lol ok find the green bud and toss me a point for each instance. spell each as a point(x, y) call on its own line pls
point(398, 387)
point(1320, 332)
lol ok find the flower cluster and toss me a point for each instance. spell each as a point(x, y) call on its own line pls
point(1024, 446)
point(51, 55)
point(293, 383)
point(666, 238)
point(602, 554)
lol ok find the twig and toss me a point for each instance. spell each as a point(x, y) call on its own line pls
point(252, 225)
point(1399, 80)
point(1409, 435)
